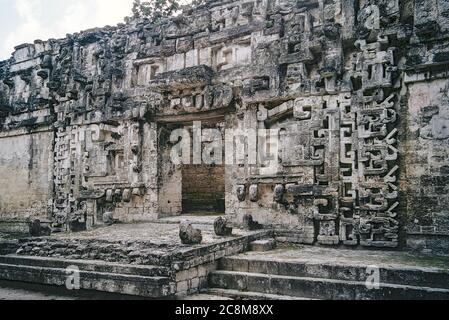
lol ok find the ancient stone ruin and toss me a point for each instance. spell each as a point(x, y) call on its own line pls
point(356, 93)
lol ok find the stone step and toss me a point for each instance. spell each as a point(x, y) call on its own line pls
point(263, 245)
point(403, 275)
point(206, 296)
point(86, 265)
point(245, 295)
point(318, 288)
point(57, 275)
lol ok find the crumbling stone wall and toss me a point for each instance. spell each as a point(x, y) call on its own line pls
point(355, 89)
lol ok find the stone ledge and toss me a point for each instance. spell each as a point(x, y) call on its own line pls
point(263, 245)
point(154, 287)
point(319, 288)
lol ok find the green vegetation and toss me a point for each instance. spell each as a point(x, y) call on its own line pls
point(156, 10)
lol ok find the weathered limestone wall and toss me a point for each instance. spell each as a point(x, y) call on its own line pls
point(355, 92)
point(26, 179)
point(169, 178)
point(427, 165)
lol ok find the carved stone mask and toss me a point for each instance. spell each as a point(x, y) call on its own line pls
point(279, 193)
point(254, 193)
point(241, 193)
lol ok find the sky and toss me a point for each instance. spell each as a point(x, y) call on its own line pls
point(23, 21)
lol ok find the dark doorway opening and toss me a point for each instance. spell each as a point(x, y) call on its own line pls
point(203, 189)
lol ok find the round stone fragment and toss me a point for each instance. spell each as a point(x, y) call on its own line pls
point(108, 218)
point(222, 228)
point(189, 235)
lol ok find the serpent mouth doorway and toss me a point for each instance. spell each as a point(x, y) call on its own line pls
point(203, 185)
point(194, 182)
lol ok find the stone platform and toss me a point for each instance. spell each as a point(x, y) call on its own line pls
point(139, 243)
point(163, 231)
point(145, 259)
point(148, 260)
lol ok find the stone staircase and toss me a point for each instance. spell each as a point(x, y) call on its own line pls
point(144, 260)
point(258, 276)
point(145, 281)
point(265, 273)
point(134, 269)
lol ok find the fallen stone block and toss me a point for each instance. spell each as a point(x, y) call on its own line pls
point(263, 245)
point(189, 235)
point(36, 229)
point(108, 218)
point(250, 224)
point(222, 228)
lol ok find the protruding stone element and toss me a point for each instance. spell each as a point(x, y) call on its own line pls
point(222, 228)
point(250, 224)
point(263, 245)
point(117, 195)
point(241, 192)
point(108, 218)
point(34, 228)
point(254, 193)
point(279, 193)
point(43, 73)
point(109, 195)
point(137, 192)
point(126, 195)
point(189, 235)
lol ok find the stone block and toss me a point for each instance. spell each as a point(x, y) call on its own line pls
point(189, 235)
point(263, 245)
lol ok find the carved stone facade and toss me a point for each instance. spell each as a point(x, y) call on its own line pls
point(356, 93)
